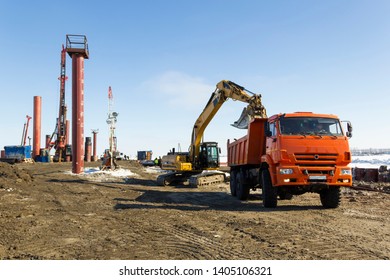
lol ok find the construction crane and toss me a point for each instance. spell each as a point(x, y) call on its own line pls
point(58, 138)
point(25, 130)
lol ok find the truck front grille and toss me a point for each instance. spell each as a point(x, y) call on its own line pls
point(307, 160)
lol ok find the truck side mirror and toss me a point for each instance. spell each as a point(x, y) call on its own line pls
point(349, 127)
point(349, 130)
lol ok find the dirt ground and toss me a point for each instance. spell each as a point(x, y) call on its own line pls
point(48, 213)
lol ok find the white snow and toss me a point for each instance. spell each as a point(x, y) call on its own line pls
point(370, 161)
point(97, 174)
point(154, 169)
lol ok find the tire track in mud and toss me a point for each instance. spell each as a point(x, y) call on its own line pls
point(44, 251)
point(194, 245)
point(76, 242)
point(316, 240)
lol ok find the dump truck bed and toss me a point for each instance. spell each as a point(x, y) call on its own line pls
point(250, 148)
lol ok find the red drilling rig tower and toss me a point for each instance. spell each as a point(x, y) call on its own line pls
point(25, 130)
point(58, 138)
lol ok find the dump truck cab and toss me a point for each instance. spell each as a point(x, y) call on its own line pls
point(291, 154)
point(307, 149)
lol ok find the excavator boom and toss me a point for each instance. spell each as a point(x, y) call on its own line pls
point(205, 156)
point(224, 90)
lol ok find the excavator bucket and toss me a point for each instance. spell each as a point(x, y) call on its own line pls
point(243, 121)
point(255, 109)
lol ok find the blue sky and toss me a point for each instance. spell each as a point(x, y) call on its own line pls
point(164, 58)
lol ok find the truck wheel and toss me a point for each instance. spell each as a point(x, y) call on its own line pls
point(270, 196)
point(233, 183)
point(242, 190)
point(330, 198)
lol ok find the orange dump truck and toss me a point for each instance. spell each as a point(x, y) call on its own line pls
point(291, 154)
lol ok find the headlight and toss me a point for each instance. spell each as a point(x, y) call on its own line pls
point(346, 172)
point(285, 171)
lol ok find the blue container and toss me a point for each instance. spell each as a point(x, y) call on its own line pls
point(144, 155)
point(42, 159)
point(141, 155)
point(17, 152)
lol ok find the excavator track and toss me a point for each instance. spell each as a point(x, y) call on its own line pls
point(195, 180)
point(207, 178)
point(166, 179)
point(172, 178)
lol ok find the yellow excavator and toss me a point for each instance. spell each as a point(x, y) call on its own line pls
point(200, 165)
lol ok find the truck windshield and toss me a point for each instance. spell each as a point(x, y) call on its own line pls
point(310, 126)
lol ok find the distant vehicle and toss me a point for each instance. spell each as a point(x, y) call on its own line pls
point(118, 155)
point(147, 162)
point(144, 155)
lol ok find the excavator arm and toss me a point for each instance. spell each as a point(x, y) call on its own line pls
point(225, 90)
point(204, 156)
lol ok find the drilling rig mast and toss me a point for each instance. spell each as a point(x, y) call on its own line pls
point(58, 138)
point(111, 120)
point(25, 130)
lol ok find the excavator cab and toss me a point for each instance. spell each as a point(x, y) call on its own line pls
point(208, 156)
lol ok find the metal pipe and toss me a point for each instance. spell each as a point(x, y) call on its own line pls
point(88, 146)
point(77, 113)
point(67, 142)
point(48, 136)
point(77, 48)
point(67, 132)
point(67, 155)
point(94, 157)
point(37, 126)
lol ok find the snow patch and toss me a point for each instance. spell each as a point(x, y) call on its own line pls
point(96, 173)
point(370, 161)
point(154, 169)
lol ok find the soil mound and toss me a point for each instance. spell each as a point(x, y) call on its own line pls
point(11, 175)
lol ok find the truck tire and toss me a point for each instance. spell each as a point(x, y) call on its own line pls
point(242, 190)
point(270, 196)
point(330, 198)
point(233, 182)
